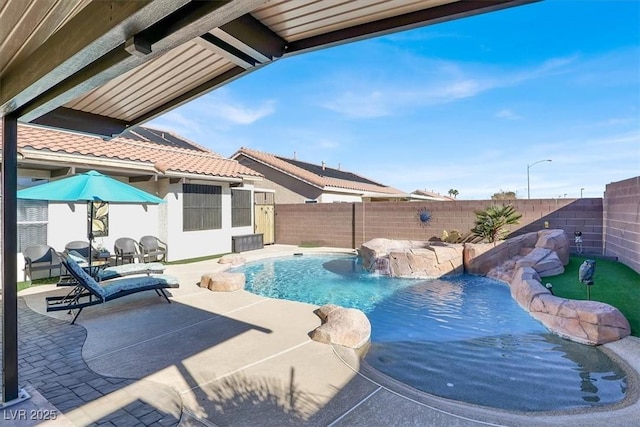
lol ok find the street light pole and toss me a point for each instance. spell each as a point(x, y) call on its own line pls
point(581, 190)
point(528, 167)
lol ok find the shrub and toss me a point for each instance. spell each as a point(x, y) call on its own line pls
point(490, 222)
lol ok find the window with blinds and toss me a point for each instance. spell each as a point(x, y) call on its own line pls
point(33, 219)
point(240, 207)
point(201, 207)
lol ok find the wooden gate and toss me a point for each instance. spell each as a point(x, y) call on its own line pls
point(265, 223)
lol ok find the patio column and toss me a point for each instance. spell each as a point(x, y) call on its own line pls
point(9, 259)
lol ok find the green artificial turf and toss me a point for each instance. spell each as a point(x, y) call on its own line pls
point(614, 283)
point(192, 260)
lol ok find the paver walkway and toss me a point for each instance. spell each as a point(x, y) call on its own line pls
point(50, 361)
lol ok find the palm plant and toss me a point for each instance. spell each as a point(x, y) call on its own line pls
point(490, 222)
point(453, 192)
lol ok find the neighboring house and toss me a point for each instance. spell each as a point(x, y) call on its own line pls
point(208, 198)
point(430, 195)
point(295, 181)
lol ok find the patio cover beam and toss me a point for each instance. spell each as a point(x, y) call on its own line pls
point(81, 41)
point(81, 121)
point(433, 15)
point(177, 26)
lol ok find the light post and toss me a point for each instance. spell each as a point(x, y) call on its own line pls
point(581, 190)
point(528, 167)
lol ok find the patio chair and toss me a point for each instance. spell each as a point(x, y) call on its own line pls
point(88, 292)
point(126, 249)
point(153, 249)
point(82, 247)
point(40, 258)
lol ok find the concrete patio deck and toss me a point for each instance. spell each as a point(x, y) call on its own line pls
point(233, 359)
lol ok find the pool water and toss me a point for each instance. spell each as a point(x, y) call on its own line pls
point(462, 338)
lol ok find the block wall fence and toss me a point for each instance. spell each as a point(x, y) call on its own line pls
point(622, 221)
point(348, 225)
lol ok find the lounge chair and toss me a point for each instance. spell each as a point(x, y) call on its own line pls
point(88, 292)
point(117, 271)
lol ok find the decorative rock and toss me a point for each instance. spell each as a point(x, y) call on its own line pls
point(587, 322)
point(223, 282)
point(556, 241)
point(342, 326)
point(544, 261)
point(480, 258)
point(411, 259)
point(233, 259)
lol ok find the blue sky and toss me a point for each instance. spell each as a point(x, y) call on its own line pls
point(466, 104)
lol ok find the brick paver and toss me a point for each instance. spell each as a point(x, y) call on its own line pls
point(50, 360)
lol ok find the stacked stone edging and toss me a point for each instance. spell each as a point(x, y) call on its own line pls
point(587, 322)
point(520, 262)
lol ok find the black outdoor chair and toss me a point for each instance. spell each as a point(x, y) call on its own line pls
point(126, 249)
point(40, 258)
point(153, 249)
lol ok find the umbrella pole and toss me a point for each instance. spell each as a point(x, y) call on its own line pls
point(90, 235)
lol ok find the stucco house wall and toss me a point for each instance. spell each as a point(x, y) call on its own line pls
point(193, 244)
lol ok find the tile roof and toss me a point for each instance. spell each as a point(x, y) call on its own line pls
point(315, 174)
point(162, 137)
point(431, 194)
point(172, 159)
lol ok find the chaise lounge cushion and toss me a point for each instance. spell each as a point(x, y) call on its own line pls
point(114, 287)
point(131, 269)
point(87, 280)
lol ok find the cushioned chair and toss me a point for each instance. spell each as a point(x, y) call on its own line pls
point(40, 258)
point(88, 292)
point(153, 249)
point(126, 249)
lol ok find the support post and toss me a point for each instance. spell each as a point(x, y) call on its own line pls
point(9, 259)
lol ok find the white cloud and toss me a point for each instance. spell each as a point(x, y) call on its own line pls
point(234, 112)
point(431, 82)
point(507, 114)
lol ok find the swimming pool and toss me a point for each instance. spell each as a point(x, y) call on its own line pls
point(462, 338)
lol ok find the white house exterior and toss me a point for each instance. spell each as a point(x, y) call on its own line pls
point(164, 168)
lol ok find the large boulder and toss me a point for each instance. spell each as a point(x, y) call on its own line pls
point(411, 258)
point(373, 250)
point(233, 259)
point(347, 327)
point(223, 282)
point(544, 261)
point(480, 258)
point(556, 241)
point(587, 322)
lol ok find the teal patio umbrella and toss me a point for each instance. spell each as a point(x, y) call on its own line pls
point(89, 187)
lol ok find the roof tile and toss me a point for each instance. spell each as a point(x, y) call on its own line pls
point(176, 159)
point(315, 179)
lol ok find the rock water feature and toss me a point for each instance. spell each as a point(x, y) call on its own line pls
point(521, 262)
